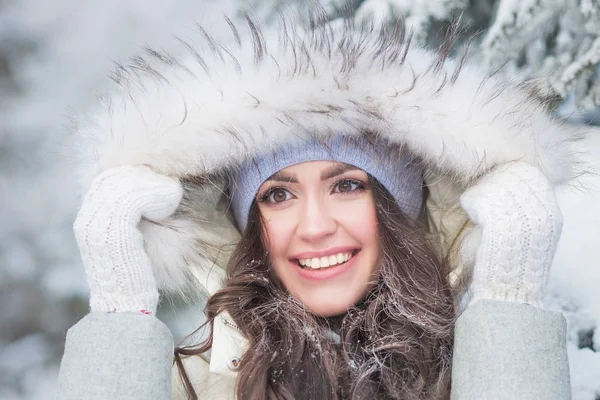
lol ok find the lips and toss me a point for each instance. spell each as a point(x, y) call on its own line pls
point(325, 273)
point(326, 261)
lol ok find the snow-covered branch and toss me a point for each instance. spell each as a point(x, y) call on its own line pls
point(553, 44)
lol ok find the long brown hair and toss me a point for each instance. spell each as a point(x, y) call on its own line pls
point(395, 344)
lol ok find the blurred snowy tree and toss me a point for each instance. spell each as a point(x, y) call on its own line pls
point(554, 45)
point(556, 42)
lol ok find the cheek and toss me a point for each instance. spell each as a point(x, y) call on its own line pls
point(361, 224)
point(279, 237)
point(278, 234)
point(360, 221)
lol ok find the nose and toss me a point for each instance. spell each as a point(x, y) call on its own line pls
point(316, 221)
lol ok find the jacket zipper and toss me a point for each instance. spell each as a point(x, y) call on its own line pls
point(230, 324)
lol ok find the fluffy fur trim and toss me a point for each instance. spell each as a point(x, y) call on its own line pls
point(220, 103)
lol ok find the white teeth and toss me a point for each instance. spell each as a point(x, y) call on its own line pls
point(324, 262)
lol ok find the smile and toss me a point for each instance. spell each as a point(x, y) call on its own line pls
point(326, 261)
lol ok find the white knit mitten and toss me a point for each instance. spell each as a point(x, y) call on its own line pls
point(516, 209)
point(112, 247)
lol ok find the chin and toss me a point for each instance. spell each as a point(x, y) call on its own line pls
point(330, 310)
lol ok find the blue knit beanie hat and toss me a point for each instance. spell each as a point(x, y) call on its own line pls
point(401, 176)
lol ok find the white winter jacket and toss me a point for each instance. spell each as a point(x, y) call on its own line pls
point(219, 104)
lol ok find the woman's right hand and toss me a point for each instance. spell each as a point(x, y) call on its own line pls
point(118, 269)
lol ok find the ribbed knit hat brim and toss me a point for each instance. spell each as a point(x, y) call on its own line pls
point(400, 174)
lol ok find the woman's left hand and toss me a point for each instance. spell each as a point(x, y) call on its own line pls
point(521, 223)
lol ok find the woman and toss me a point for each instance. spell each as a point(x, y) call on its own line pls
point(319, 144)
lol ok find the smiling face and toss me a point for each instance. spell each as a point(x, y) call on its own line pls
point(321, 228)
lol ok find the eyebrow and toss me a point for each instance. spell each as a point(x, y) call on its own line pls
point(337, 169)
point(281, 177)
point(331, 172)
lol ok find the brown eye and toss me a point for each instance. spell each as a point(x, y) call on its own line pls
point(278, 196)
point(347, 185)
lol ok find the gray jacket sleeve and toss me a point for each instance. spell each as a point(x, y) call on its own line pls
point(510, 351)
point(116, 356)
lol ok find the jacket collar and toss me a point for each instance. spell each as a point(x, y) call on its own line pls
point(228, 346)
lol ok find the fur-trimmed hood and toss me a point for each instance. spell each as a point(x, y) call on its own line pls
point(200, 115)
